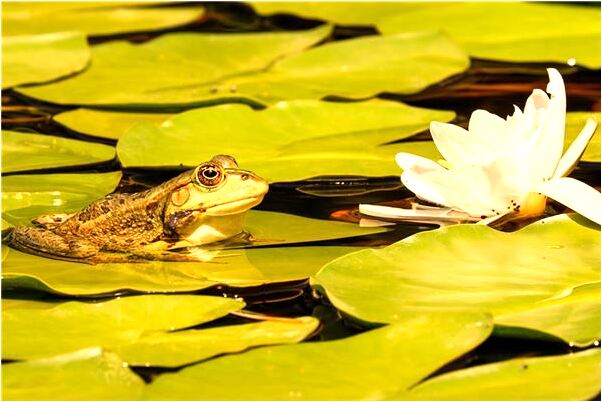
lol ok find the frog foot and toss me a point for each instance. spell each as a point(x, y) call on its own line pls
point(46, 243)
point(50, 221)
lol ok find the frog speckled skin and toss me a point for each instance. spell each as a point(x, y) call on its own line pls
point(200, 206)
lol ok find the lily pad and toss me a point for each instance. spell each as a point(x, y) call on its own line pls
point(366, 366)
point(473, 267)
point(168, 72)
point(104, 123)
point(173, 349)
point(574, 123)
point(21, 152)
point(289, 141)
point(89, 374)
point(574, 376)
point(518, 32)
point(239, 71)
point(40, 58)
point(25, 197)
point(33, 333)
point(240, 268)
point(91, 18)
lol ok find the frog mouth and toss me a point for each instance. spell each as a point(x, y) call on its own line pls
point(233, 207)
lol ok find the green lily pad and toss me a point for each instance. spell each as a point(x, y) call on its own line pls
point(94, 18)
point(239, 268)
point(574, 376)
point(354, 68)
point(174, 349)
point(174, 69)
point(573, 315)
point(104, 123)
point(519, 32)
point(472, 267)
point(89, 374)
point(25, 197)
point(21, 151)
point(289, 141)
point(366, 366)
point(574, 123)
point(40, 58)
point(34, 333)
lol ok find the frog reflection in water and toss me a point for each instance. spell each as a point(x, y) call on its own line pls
point(200, 206)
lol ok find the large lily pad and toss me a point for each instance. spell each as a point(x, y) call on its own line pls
point(89, 374)
point(250, 68)
point(21, 151)
point(25, 197)
point(33, 333)
point(174, 69)
point(574, 123)
point(366, 366)
point(39, 58)
point(574, 376)
point(520, 32)
point(91, 18)
point(474, 267)
point(289, 141)
point(174, 349)
point(241, 268)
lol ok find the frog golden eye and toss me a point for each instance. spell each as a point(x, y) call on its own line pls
point(210, 174)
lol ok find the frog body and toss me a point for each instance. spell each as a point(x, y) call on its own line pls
point(201, 206)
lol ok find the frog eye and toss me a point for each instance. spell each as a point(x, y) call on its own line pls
point(210, 174)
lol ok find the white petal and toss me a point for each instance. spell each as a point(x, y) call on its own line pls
point(572, 155)
point(537, 100)
point(430, 215)
point(553, 136)
point(576, 195)
point(456, 145)
point(423, 189)
point(418, 163)
point(488, 126)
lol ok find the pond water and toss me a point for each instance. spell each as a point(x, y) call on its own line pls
point(491, 85)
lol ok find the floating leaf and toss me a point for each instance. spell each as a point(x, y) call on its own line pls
point(92, 18)
point(574, 376)
point(354, 68)
point(289, 141)
point(21, 151)
point(242, 268)
point(106, 124)
point(366, 366)
point(174, 69)
point(32, 333)
point(471, 267)
point(89, 374)
point(574, 123)
point(39, 58)
point(25, 197)
point(174, 349)
point(518, 32)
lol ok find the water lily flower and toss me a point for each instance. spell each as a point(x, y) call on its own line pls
point(501, 167)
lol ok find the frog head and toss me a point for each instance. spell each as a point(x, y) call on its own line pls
point(212, 201)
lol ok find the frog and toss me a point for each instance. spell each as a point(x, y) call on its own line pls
point(201, 206)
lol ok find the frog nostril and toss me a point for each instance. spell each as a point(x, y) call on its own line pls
point(244, 177)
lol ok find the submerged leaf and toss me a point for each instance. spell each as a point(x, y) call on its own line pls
point(472, 267)
point(89, 374)
point(512, 31)
point(366, 366)
point(91, 18)
point(33, 333)
point(288, 141)
point(23, 151)
point(172, 349)
point(40, 58)
point(258, 69)
point(574, 376)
